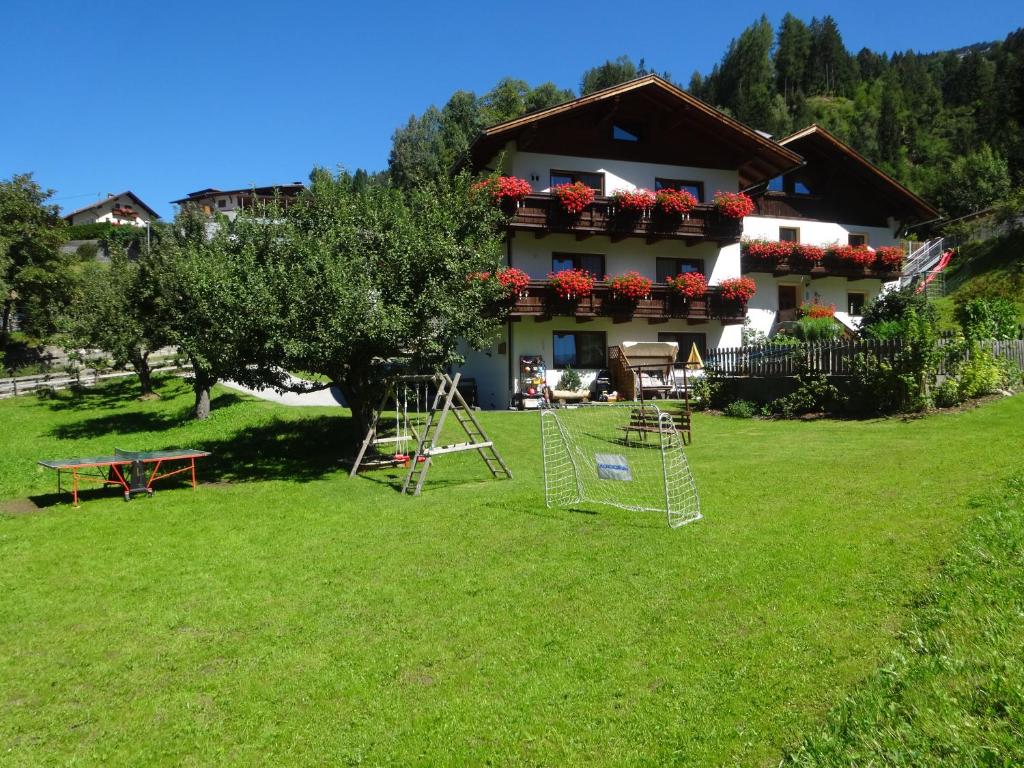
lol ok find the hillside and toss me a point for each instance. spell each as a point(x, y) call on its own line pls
point(992, 268)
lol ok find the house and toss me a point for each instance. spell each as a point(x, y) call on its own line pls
point(836, 198)
point(124, 209)
point(229, 202)
point(649, 135)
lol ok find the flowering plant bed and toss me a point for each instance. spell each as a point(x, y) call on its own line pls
point(735, 205)
point(632, 286)
point(634, 201)
point(767, 250)
point(855, 255)
point(807, 254)
point(889, 257)
point(571, 284)
point(815, 310)
point(739, 289)
point(689, 285)
point(504, 188)
point(514, 280)
point(675, 201)
point(574, 197)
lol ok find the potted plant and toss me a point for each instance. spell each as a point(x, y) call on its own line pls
point(571, 284)
point(636, 201)
point(569, 387)
point(631, 286)
point(768, 252)
point(504, 188)
point(855, 256)
point(734, 205)
point(688, 286)
point(574, 198)
point(806, 256)
point(675, 202)
point(815, 310)
point(889, 258)
point(515, 281)
point(737, 290)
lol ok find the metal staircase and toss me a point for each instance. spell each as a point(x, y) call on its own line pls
point(922, 260)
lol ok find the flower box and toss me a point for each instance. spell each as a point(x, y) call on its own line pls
point(571, 284)
point(636, 201)
point(574, 197)
point(675, 202)
point(734, 205)
point(688, 285)
point(632, 286)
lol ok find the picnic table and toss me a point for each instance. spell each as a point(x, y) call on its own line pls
point(133, 471)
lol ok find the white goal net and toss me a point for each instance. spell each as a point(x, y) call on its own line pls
point(626, 455)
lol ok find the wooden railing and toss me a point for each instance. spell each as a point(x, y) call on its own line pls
point(826, 267)
point(662, 304)
point(543, 214)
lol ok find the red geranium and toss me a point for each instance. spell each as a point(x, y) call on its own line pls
point(889, 257)
point(482, 277)
point(634, 200)
point(573, 197)
point(767, 250)
point(631, 285)
point(857, 255)
point(809, 254)
point(689, 285)
point(675, 201)
point(815, 310)
point(572, 283)
point(515, 280)
point(740, 289)
point(735, 205)
point(504, 188)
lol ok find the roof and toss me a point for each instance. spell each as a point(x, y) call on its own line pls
point(723, 142)
point(814, 137)
point(107, 199)
point(284, 189)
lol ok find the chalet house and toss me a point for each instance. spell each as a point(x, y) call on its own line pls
point(229, 202)
point(648, 134)
point(124, 209)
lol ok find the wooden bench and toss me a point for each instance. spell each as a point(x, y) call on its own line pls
point(645, 420)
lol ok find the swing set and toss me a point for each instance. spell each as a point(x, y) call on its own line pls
point(385, 446)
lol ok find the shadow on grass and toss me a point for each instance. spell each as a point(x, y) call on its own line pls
point(116, 424)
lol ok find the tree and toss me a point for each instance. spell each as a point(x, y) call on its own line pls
point(973, 182)
point(35, 275)
point(830, 68)
point(606, 75)
point(791, 53)
point(380, 274)
point(216, 294)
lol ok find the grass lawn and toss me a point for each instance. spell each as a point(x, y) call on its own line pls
point(283, 613)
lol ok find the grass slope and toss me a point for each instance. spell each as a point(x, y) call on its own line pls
point(292, 615)
point(991, 268)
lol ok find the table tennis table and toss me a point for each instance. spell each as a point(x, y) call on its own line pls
point(133, 471)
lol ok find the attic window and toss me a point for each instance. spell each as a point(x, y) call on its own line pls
point(622, 133)
point(775, 185)
point(799, 188)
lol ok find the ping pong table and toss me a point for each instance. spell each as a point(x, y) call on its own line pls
point(133, 471)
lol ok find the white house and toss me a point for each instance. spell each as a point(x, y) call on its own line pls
point(124, 209)
point(648, 134)
point(230, 201)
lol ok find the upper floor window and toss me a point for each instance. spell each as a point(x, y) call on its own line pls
point(857, 238)
point(622, 132)
point(588, 262)
point(799, 188)
point(671, 267)
point(776, 185)
point(789, 234)
point(593, 180)
point(222, 203)
point(695, 188)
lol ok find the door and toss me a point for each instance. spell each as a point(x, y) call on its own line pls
point(787, 303)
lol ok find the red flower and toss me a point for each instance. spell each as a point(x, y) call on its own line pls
point(740, 289)
point(635, 200)
point(767, 250)
point(572, 283)
point(890, 257)
point(631, 285)
point(735, 205)
point(689, 285)
point(809, 254)
point(677, 201)
point(504, 188)
point(815, 310)
point(515, 280)
point(573, 197)
point(857, 255)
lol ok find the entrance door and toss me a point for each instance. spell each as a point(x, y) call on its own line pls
point(787, 303)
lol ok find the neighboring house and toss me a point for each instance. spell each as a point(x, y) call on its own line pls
point(230, 201)
point(124, 209)
point(649, 134)
point(836, 198)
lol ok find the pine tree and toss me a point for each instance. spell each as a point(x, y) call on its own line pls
point(791, 54)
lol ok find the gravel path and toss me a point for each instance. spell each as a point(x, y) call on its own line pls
point(331, 396)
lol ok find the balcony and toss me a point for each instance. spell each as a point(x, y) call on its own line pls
point(817, 268)
point(540, 301)
point(542, 214)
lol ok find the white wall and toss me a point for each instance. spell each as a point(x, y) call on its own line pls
point(816, 232)
point(764, 305)
point(103, 213)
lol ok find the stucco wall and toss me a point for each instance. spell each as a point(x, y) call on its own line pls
point(816, 232)
point(104, 213)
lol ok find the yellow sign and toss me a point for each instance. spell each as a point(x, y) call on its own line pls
point(693, 361)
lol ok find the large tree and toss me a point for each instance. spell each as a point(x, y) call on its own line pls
point(35, 275)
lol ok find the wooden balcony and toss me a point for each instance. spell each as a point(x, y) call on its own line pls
point(542, 214)
point(540, 302)
point(818, 268)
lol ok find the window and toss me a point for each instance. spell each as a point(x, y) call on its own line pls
point(625, 133)
point(799, 188)
point(593, 180)
point(580, 349)
point(222, 203)
point(589, 262)
point(686, 342)
point(855, 303)
point(789, 234)
point(857, 238)
point(695, 188)
point(666, 268)
point(776, 185)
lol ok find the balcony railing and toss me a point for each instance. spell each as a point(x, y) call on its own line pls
point(543, 214)
point(662, 304)
point(825, 267)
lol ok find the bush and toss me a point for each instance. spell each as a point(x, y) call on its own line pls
point(988, 318)
point(947, 394)
point(814, 394)
point(702, 392)
point(569, 380)
point(980, 375)
point(816, 329)
point(740, 409)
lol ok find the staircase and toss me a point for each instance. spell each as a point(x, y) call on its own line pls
point(922, 259)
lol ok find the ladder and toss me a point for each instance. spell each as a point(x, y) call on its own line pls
point(447, 396)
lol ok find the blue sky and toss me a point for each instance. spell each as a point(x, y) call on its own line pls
point(165, 98)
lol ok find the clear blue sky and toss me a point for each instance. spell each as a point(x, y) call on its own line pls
point(164, 98)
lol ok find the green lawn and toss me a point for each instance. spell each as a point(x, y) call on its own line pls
point(286, 614)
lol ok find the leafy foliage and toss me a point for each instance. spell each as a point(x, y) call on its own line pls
point(988, 319)
point(569, 380)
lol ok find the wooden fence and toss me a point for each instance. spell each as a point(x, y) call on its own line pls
point(82, 378)
point(833, 358)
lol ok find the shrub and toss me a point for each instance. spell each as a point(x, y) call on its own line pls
point(947, 394)
point(814, 309)
point(981, 374)
point(988, 318)
point(813, 328)
point(569, 380)
point(703, 391)
point(814, 394)
point(740, 409)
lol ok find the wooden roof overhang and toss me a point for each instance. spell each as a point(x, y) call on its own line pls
point(825, 154)
point(674, 127)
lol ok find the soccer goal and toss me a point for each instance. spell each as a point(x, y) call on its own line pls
point(628, 456)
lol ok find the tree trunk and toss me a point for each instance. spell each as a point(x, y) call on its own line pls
point(141, 362)
point(6, 324)
point(202, 383)
point(362, 402)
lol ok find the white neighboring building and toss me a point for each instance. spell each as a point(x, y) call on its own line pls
point(836, 198)
point(229, 202)
point(124, 209)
